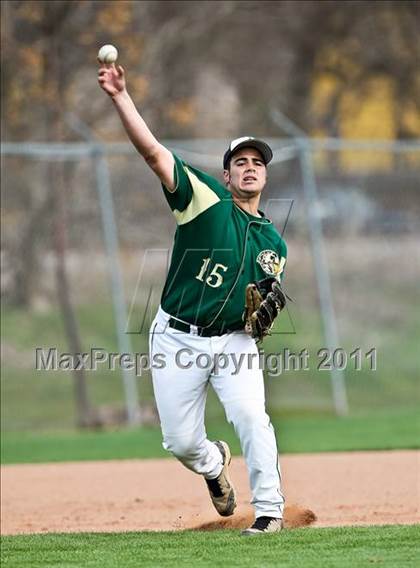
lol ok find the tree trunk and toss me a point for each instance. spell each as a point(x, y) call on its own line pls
point(84, 414)
point(57, 189)
point(27, 257)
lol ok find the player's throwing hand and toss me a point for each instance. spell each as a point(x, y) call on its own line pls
point(111, 79)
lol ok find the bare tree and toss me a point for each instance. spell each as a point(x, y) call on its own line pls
point(264, 51)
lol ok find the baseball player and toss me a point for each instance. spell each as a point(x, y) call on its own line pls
point(226, 253)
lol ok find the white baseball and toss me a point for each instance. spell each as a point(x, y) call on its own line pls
point(108, 54)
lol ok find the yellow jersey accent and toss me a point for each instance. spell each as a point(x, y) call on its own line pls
point(202, 198)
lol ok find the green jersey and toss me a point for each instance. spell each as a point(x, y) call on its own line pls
point(218, 249)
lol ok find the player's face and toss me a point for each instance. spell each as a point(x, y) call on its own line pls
point(247, 175)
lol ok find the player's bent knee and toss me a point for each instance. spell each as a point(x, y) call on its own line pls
point(182, 447)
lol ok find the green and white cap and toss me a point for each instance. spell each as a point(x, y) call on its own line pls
point(247, 142)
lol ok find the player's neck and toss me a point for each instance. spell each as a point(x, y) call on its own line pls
point(249, 205)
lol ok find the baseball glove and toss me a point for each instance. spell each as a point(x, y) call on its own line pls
point(264, 300)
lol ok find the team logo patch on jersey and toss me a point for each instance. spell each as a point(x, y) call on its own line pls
point(271, 263)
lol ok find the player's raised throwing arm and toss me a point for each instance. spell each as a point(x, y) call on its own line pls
point(159, 158)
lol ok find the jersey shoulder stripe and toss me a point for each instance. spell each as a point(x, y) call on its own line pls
point(203, 197)
point(194, 193)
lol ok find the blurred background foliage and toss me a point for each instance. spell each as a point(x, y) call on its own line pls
point(209, 70)
point(345, 69)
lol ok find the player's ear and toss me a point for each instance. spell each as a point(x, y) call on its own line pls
point(226, 176)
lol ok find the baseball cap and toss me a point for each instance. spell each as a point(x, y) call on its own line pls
point(247, 142)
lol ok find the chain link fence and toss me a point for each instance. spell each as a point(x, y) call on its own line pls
point(367, 206)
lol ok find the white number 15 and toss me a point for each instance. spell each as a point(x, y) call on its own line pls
point(214, 279)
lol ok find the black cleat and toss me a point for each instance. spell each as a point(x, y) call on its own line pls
point(264, 525)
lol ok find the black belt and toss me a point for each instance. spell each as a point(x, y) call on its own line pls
point(197, 330)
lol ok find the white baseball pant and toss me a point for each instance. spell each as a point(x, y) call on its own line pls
point(180, 395)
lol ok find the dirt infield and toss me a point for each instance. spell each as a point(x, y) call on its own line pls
point(358, 488)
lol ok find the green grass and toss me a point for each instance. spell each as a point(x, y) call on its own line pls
point(393, 546)
point(39, 401)
point(383, 404)
point(295, 434)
